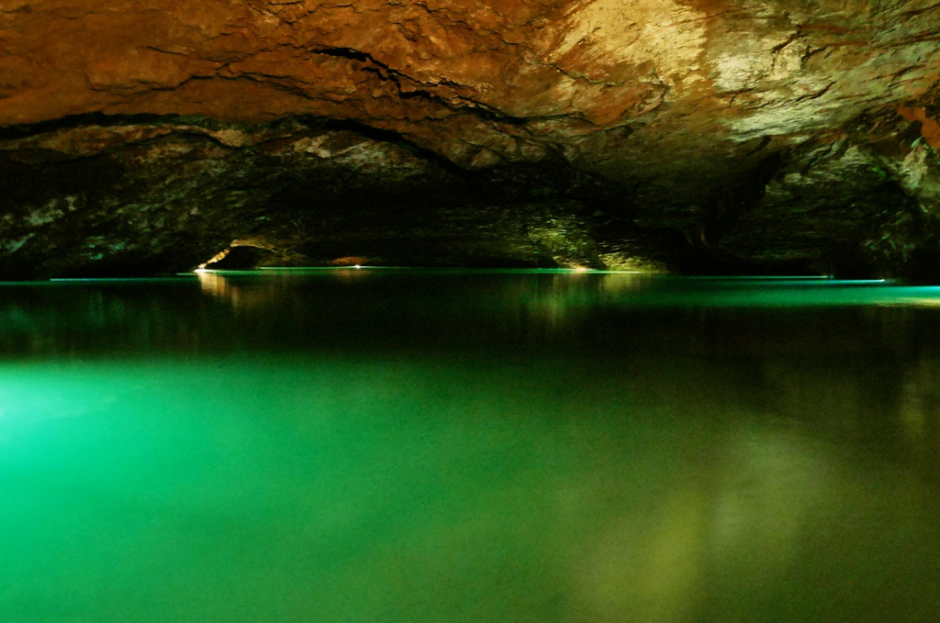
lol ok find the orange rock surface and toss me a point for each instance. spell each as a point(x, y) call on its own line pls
point(481, 82)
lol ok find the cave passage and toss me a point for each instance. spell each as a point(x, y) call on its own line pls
point(555, 311)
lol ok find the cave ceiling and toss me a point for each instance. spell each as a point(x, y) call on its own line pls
point(694, 135)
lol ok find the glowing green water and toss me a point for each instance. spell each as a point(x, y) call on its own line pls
point(408, 446)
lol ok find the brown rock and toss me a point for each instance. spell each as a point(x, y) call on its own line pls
point(683, 110)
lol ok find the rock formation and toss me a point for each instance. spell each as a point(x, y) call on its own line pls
point(695, 135)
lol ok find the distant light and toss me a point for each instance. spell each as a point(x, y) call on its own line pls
point(581, 269)
point(358, 266)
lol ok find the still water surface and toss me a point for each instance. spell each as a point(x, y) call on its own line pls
point(416, 446)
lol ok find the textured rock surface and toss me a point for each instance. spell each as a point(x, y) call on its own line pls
point(692, 134)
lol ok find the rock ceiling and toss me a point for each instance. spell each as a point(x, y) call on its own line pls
point(691, 134)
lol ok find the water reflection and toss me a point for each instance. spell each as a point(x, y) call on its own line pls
point(361, 446)
point(422, 490)
point(920, 404)
point(215, 284)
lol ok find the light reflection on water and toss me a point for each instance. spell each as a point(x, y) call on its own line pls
point(432, 446)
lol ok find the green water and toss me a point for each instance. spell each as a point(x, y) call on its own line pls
point(439, 446)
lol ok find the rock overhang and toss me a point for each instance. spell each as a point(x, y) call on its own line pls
point(775, 131)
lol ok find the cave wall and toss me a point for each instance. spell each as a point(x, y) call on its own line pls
point(691, 135)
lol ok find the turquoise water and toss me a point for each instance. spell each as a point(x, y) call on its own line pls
point(445, 446)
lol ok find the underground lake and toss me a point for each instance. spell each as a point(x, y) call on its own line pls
point(441, 446)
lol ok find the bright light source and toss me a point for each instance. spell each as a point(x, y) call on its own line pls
point(358, 266)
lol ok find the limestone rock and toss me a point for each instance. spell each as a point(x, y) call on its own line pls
point(141, 136)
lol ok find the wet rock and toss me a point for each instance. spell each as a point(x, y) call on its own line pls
point(168, 197)
point(711, 134)
point(238, 257)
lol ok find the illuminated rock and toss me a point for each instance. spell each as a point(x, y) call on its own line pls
point(769, 132)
